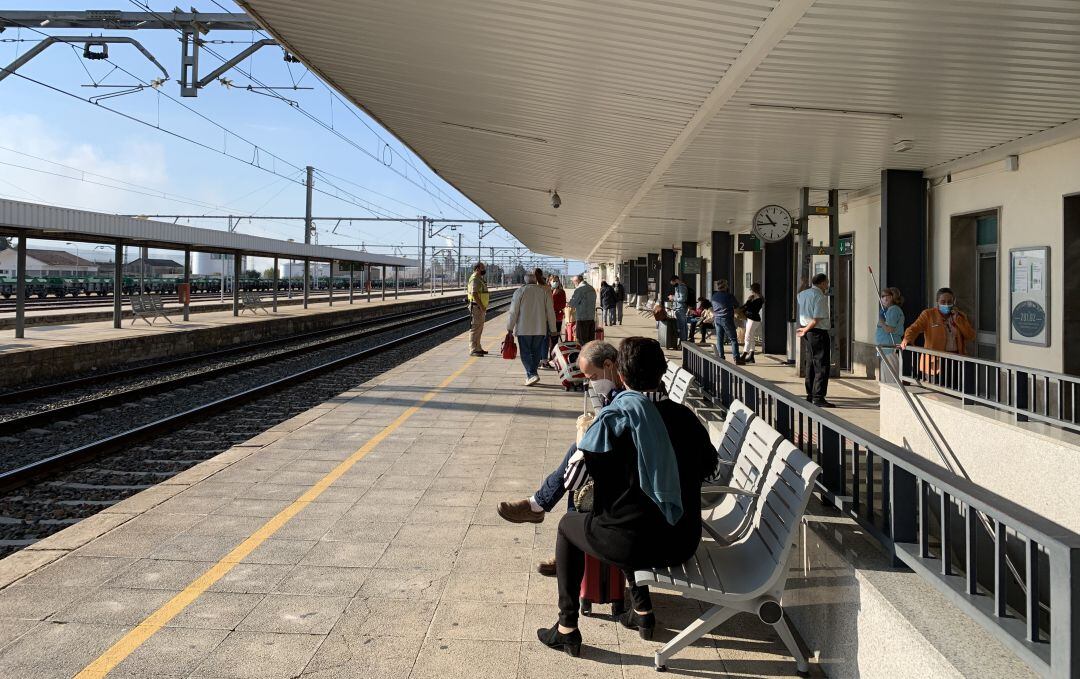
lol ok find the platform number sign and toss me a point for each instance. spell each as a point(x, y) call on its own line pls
point(772, 223)
point(748, 242)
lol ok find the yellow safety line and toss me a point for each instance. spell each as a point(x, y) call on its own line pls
point(108, 660)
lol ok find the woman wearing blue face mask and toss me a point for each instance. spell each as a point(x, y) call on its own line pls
point(943, 327)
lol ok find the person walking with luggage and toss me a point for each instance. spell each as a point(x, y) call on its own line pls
point(680, 298)
point(620, 300)
point(532, 320)
point(607, 302)
point(814, 329)
point(723, 306)
point(478, 303)
point(647, 461)
point(583, 304)
point(752, 310)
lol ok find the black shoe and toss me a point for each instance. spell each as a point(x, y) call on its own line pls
point(644, 624)
point(824, 404)
point(750, 359)
point(740, 361)
point(552, 638)
point(477, 353)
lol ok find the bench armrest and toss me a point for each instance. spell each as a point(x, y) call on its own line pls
point(726, 490)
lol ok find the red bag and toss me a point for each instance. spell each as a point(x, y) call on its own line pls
point(598, 334)
point(508, 348)
point(602, 584)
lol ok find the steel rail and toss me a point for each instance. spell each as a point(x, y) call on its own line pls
point(63, 461)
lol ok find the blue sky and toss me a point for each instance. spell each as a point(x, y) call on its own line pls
point(165, 174)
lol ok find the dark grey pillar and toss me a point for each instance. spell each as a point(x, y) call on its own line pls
point(382, 281)
point(641, 270)
point(274, 284)
point(330, 284)
point(904, 238)
point(777, 288)
point(723, 258)
point(187, 282)
point(118, 284)
point(20, 289)
point(307, 280)
point(652, 275)
point(236, 258)
point(667, 270)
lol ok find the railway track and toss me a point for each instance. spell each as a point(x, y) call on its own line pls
point(51, 493)
point(63, 428)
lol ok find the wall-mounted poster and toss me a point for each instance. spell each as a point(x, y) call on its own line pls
point(1029, 296)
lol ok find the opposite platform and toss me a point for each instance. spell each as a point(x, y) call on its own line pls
point(357, 540)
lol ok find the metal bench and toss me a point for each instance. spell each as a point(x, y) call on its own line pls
point(250, 299)
point(748, 576)
point(148, 308)
point(728, 439)
point(727, 510)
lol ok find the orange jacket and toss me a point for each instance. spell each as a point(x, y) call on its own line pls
point(931, 324)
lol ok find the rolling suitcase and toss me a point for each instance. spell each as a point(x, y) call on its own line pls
point(602, 584)
point(566, 356)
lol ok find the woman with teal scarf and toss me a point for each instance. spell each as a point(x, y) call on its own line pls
point(647, 461)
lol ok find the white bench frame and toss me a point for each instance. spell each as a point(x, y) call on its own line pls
point(147, 307)
point(250, 299)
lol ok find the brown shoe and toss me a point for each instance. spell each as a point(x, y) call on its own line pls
point(519, 511)
point(546, 568)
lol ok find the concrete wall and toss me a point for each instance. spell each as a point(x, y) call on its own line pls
point(1031, 464)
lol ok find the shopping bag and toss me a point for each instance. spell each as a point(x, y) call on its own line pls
point(508, 348)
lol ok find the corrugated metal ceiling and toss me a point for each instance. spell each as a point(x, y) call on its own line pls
point(588, 97)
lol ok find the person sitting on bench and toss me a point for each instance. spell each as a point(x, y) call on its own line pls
point(647, 461)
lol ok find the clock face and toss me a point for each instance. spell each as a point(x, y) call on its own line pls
point(772, 223)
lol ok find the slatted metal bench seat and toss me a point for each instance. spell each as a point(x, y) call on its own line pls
point(147, 308)
point(250, 299)
point(749, 575)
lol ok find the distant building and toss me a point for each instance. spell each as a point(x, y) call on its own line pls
point(47, 263)
point(153, 267)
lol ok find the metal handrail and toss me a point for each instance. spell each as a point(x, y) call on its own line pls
point(894, 494)
point(1029, 394)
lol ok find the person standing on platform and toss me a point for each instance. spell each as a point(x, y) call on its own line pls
point(478, 304)
point(814, 329)
point(532, 320)
point(680, 298)
point(890, 325)
point(723, 307)
point(752, 309)
point(607, 302)
point(620, 300)
point(583, 304)
point(558, 299)
point(944, 328)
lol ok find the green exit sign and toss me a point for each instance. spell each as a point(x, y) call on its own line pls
point(847, 245)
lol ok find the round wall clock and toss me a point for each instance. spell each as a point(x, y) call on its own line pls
point(772, 223)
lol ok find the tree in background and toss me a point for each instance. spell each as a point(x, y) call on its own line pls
point(251, 273)
point(268, 273)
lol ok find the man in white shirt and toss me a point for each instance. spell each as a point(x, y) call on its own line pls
point(532, 319)
point(814, 329)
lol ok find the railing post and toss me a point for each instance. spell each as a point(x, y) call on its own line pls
point(969, 381)
point(750, 396)
point(1064, 621)
point(903, 525)
point(725, 386)
point(783, 420)
point(831, 472)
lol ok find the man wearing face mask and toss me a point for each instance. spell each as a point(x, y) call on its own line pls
point(598, 361)
point(943, 327)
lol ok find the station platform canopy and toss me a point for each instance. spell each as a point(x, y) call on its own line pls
point(58, 223)
point(659, 122)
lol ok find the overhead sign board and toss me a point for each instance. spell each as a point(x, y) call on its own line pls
point(690, 265)
point(748, 242)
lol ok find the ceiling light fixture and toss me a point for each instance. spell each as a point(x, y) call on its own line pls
point(903, 145)
point(501, 133)
point(847, 113)
point(718, 189)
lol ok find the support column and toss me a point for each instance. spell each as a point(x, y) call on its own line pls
point(397, 280)
point(904, 238)
point(723, 259)
point(367, 281)
point(118, 284)
point(20, 289)
point(834, 275)
point(692, 280)
point(652, 275)
point(187, 282)
point(275, 284)
point(330, 284)
point(236, 284)
point(352, 265)
point(641, 271)
point(667, 270)
point(777, 287)
point(307, 280)
point(382, 282)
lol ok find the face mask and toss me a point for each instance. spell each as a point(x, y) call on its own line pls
point(945, 308)
point(554, 284)
point(602, 386)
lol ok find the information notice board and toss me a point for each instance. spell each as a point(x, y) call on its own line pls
point(1029, 296)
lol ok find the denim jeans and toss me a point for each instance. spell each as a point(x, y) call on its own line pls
point(680, 322)
point(618, 312)
point(725, 330)
point(609, 315)
point(551, 490)
point(531, 350)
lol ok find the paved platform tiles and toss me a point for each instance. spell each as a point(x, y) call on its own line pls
point(856, 398)
point(47, 336)
point(400, 567)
